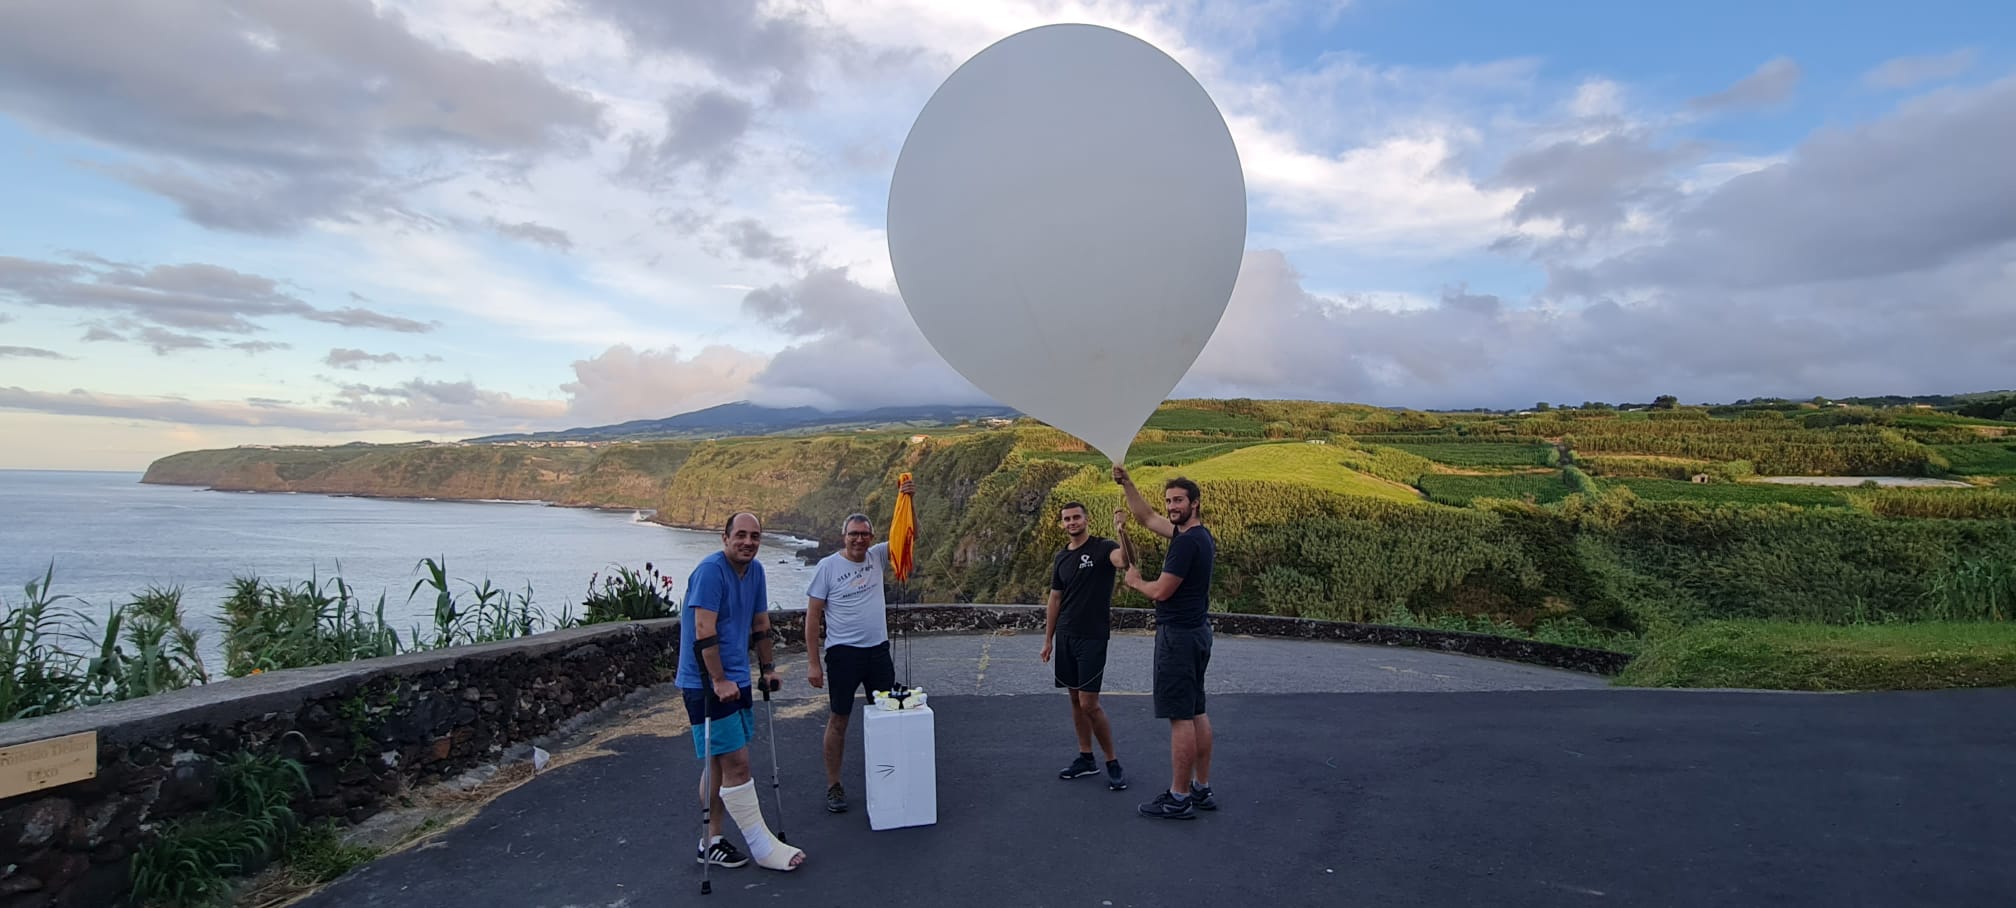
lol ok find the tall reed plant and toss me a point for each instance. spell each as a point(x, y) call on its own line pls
point(269, 627)
point(44, 675)
point(495, 615)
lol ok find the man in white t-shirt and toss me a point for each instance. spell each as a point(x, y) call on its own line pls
point(845, 602)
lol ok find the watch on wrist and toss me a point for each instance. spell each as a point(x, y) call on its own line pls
point(768, 667)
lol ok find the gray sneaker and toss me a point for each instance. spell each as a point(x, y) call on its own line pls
point(1200, 797)
point(836, 798)
point(1166, 807)
point(1079, 768)
point(1116, 778)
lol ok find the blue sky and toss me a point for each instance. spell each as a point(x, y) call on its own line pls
point(439, 219)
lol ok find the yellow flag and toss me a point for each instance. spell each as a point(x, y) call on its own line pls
point(903, 534)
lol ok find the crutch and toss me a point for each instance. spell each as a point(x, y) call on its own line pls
point(770, 709)
point(706, 782)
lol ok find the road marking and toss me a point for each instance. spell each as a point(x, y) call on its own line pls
point(986, 654)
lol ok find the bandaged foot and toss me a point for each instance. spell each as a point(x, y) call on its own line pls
point(748, 814)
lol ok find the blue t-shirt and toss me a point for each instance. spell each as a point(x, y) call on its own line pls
point(734, 600)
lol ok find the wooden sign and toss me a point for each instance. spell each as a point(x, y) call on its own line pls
point(48, 763)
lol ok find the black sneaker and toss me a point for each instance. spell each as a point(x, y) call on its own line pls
point(836, 798)
point(722, 853)
point(1200, 797)
point(1166, 807)
point(1116, 779)
point(1079, 768)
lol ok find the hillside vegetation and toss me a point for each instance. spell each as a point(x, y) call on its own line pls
point(1587, 525)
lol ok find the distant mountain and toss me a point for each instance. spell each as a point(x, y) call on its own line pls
point(745, 418)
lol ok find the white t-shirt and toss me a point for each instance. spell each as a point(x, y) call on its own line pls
point(856, 611)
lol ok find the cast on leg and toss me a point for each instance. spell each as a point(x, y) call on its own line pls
point(748, 814)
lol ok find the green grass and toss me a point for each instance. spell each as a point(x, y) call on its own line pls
point(1563, 631)
point(1936, 419)
point(1986, 459)
point(1155, 453)
point(1316, 466)
point(1787, 656)
point(1460, 454)
point(1394, 439)
point(1185, 419)
point(1545, 487)
point(1759, 493)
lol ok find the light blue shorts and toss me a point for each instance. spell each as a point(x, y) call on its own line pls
point(728, 733)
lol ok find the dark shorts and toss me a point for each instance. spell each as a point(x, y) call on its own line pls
point(1181, 656)
point(1079, 662)
point(851, 668)
point(733, 723)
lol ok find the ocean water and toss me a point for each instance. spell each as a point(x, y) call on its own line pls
point(110, 537)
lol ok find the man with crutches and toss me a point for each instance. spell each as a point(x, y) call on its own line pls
point(725, 612)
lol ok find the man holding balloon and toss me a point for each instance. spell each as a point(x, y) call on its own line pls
point(1182, 596)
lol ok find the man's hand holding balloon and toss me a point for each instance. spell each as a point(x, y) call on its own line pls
point(1120, 535)
point(1143, 511)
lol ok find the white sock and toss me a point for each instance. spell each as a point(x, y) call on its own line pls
point(748, 814)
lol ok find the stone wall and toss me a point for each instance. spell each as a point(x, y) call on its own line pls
point(362, 730)
point(365, 730)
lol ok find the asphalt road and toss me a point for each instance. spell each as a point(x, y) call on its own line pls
point(1008, 663)
point(1526, 797)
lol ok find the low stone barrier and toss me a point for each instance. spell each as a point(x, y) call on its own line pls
point(362, 730)
point(365, 730)
point(924, 619)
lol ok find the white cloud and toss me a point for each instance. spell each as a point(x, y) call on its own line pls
point(1469, 349)
point(622, 383)
point(416, 406)
point(1771, 84)
point(1906, 72)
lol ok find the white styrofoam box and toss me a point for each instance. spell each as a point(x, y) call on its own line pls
point(901, 753)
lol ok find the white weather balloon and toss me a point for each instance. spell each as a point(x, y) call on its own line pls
point(1066, 221)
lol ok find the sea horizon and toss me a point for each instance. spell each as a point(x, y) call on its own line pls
point(110, 539)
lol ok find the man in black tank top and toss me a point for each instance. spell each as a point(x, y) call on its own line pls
point(1079, 620)
point(1182, 597)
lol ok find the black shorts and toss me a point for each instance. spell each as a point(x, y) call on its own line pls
point(851, 668)
point(1079, 662)
point(1181, 656)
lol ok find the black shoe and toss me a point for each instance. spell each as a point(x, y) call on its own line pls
point(1200, 797)
point(1079, 768)
point(1116, 779)
point(722, 853)
point(836, 798)
point(1166, 807)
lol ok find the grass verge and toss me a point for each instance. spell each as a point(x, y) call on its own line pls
point(1811, 657)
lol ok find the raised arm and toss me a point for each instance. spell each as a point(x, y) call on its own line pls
point(1123, 553)
point(1143, 511)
